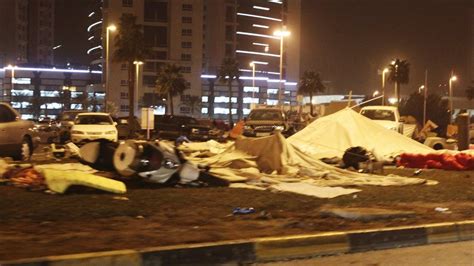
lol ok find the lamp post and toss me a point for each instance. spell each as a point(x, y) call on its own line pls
point(281, 33)
point(137, 80)
point(252, 64)
point(107, 61)
point(385, 70)
point(451, 79)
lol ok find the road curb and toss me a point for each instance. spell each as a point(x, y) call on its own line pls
point(269, 248)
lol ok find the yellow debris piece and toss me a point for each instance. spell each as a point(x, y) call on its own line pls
point(59, 181)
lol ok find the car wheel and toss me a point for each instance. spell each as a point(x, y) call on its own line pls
point(25, 152)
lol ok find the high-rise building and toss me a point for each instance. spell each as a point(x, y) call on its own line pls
point(27, 32)
point(94, 30)
point(197, 35)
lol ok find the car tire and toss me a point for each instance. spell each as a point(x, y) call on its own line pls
point(25, 150)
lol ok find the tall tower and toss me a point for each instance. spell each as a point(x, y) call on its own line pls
point(27, 28)
point(94, 30)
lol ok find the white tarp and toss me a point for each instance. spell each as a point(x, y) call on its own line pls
point(331, 135)
point(272, 163)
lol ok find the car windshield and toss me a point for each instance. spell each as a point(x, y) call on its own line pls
point(379, 114)
point(265, 115)
point(93, 120)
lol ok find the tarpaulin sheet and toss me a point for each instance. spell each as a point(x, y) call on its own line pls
point(331, 135)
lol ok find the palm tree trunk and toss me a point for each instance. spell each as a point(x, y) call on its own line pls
point(171, 103)
point(231, 123)
point(311, 103)
point(397, 91)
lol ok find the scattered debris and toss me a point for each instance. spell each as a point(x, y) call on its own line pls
point(120, 198)
point(239, 210)
point(442, 210)
point(365, 214)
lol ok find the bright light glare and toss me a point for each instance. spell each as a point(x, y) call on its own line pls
point(282, 33)
point(112, 27)
point(392, 100)
point(385, 70)
point(375, 93)
point(454, 78)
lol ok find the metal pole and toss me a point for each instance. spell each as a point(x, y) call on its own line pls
point(451, 97)
point(12, 87)
point(253, 80)
point(106, 68)
point(280, 101)
point(383, 87)
point(137, 70)
point(425, 94)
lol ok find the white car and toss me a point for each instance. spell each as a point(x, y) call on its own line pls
point(386, 116)
point(93, 126)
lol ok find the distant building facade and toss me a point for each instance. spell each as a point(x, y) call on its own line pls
point(197, 35)
point(27, 32)
point(47, 92)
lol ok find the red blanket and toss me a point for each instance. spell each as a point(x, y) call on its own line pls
point(460, 161)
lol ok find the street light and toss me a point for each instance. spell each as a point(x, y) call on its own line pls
point(385, 70)
point(451, 79)
point(137, 79)
point(375, 93)
point(107, 60)
point(281, 33)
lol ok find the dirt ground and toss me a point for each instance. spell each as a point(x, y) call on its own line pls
point(37, 224)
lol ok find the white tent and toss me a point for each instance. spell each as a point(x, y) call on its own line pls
point(331, 135)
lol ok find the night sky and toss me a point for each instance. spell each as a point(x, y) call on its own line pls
point(71, 31)
point(346, 40)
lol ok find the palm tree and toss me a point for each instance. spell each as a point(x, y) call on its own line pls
point(130, 47)
point(171, 82)
point(310, 84)
point(399, 73)
point(228, 72)
point(194, 102)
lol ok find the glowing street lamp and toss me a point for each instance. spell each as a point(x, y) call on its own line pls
point(281, 33)
point(451, 79)
point(375, 93)
point(385, 70)
point(137, 80)
point(109, 29)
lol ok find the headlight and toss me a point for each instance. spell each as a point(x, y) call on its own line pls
point(194, 130)
point(110, 132)
point(77, 132)
point(279, 128)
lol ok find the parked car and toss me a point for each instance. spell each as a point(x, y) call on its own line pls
point(18, 137)
point(66, 121)
point(174, 126)
point(265, 121)
point(93, 126)
point(386, 116)
point(48, 130)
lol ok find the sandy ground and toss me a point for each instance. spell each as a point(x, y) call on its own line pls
point(37, 224)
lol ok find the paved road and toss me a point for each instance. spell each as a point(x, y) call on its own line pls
point(452, 254)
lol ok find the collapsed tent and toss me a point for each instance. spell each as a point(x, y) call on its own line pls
point(331, 135)
point(272, 163)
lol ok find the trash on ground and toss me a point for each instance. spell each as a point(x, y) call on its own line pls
point(240, 210)
point(442, 210)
